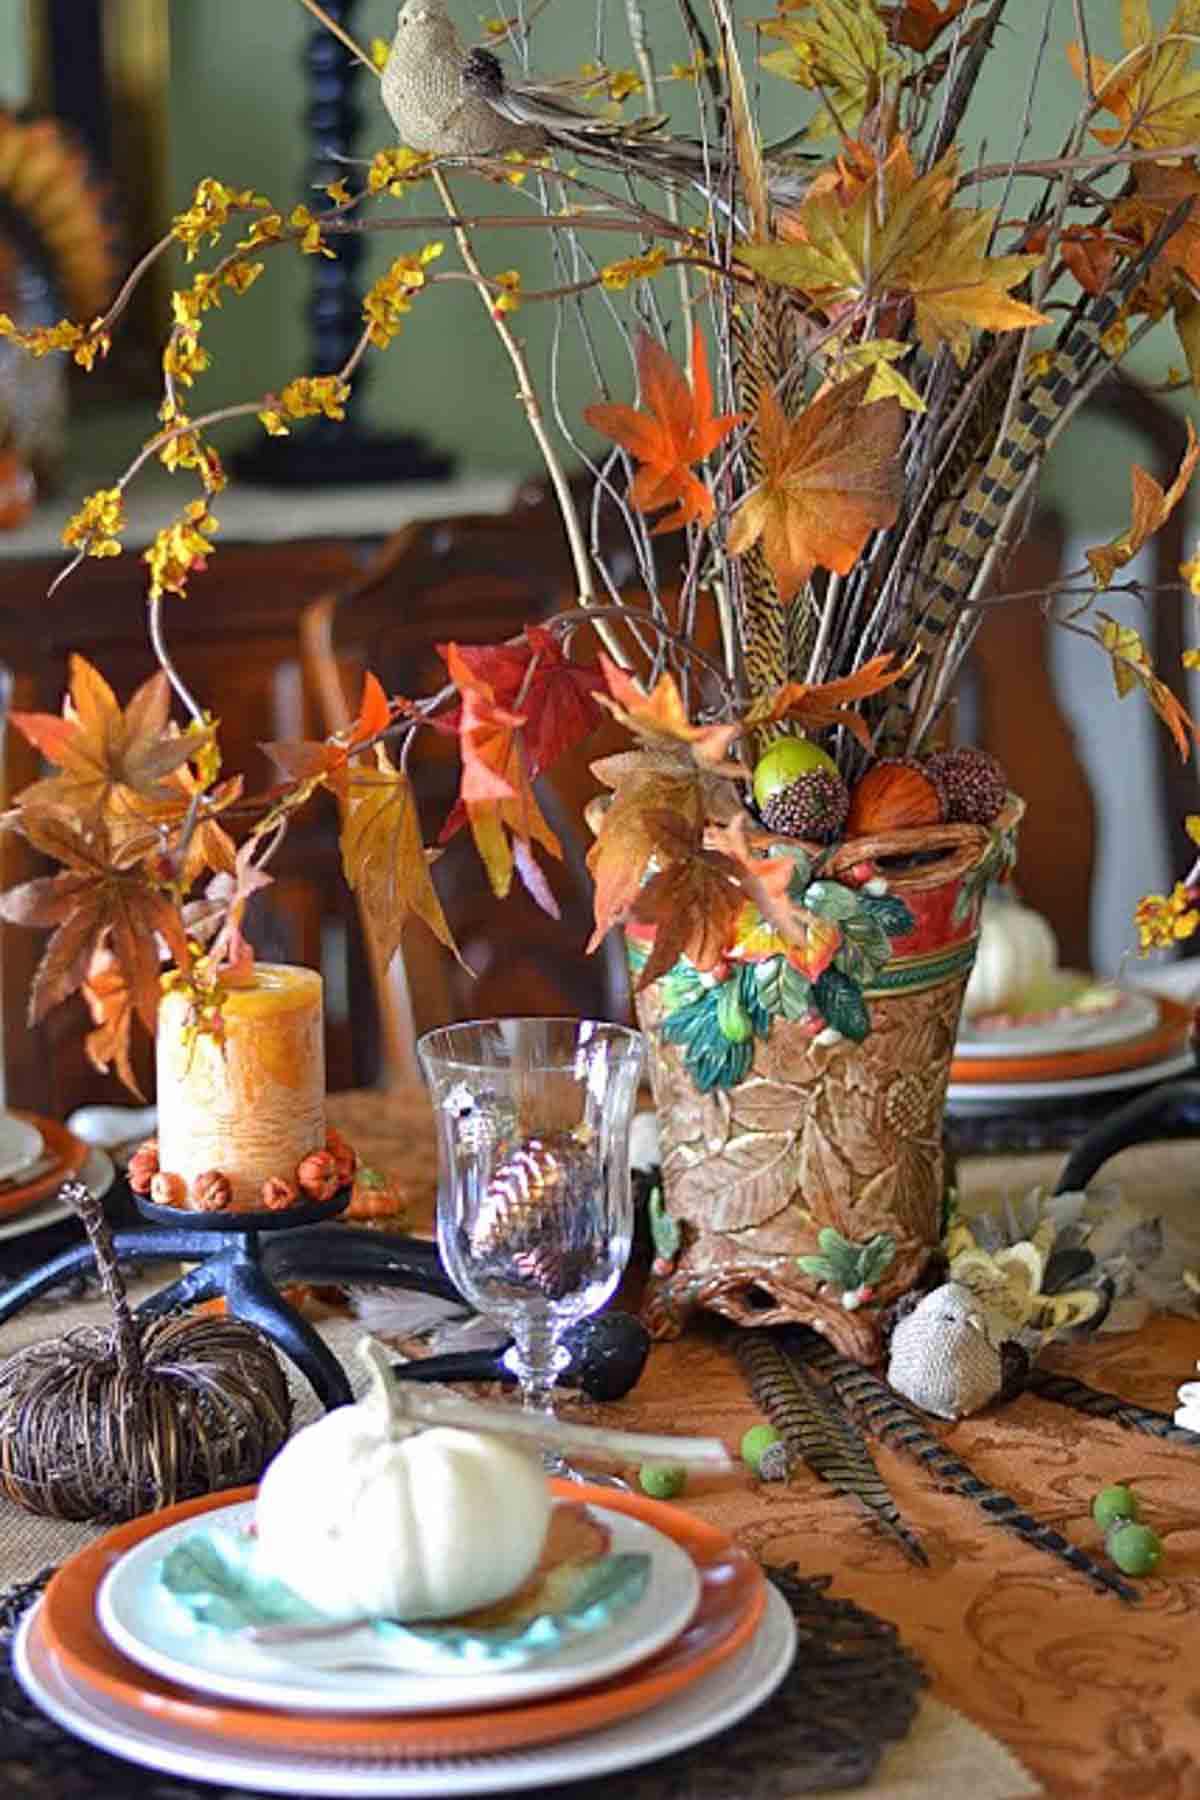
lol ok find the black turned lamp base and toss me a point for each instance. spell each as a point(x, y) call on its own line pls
point(328, 454)
point(244, 1258)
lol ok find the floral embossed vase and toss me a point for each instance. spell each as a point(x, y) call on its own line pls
point(800, 1089)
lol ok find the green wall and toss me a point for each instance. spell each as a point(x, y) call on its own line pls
point(13, 59)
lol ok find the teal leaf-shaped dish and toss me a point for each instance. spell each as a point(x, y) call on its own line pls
point(214, 1578)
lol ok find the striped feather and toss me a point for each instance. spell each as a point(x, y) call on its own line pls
point(1099, 1404)
point(961, 540)
point(764, 340)
point(898, 1425)
point(829, 1442)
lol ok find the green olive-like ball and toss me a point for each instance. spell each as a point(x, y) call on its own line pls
point(1113, 1503)
point(1135, 1549)
point(662, 1481)
point(754, 1442)
point(787, 758)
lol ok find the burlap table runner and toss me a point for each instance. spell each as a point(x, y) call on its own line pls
point(809, 1724)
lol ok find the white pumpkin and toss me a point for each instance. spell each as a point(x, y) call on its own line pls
point(366, 1515)
point(1017, 950)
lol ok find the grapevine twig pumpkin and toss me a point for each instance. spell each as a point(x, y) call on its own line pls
point(109, 1422)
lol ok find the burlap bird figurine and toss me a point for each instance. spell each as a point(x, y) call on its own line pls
point(942, 1358)
point(448, 100)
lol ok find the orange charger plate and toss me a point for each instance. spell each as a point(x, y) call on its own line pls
point(732, 1599)
point(1167, 1037)
point(69, 1153)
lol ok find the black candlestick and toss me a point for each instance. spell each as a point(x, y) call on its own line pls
point(325, 452)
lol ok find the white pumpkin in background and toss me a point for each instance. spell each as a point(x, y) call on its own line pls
point(366, 1515)
point(1017, 951)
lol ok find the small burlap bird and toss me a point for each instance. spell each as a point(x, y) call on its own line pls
point(447, 100)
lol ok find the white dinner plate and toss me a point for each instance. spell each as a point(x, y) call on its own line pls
point(20, 1145)
point(1002, 1096)
point(98, 1172)
point(148, 1626)
point(706, 1707)
point(1092, 1016)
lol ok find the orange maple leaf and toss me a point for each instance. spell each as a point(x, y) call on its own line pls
point(773, 923)
point(820, 704)
point(1158, 189)
point(692, 900)
point(1153, 91)
point(659, 719)
point(630, 837)
point(501, 807)
point(327, 763)
point(384, 858)
point(832, 476)
point(1151, 509)
point(111, 762)
point(676, 430)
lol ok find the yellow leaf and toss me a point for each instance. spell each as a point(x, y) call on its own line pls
point(1151, 509)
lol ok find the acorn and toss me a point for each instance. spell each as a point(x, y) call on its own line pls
point(813, 806)
point(974, 783)
point(895, 794)
point(783, 762)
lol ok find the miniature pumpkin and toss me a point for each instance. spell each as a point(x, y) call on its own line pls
point(894, 795)
point(366, 1515)
point(1017, 950)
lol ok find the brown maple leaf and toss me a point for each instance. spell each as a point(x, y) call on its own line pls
point(325, 763)
point(917, 24)
point(1153, 91)
point(676, 429)
point(384, 858)
point(104, 896)
point(111, 762)
point(629, 838)
point(659, 720)
point(832, 476)
point(693, 901)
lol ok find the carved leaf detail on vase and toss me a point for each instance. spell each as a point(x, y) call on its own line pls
point(759, 1105)
point(752, 1181)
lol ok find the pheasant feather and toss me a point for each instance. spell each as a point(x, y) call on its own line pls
point(962, 540)
point(1099, 1404)
point(829, 1442)
point(898, 1425)
point(764, 339)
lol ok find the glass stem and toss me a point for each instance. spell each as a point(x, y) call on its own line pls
point(536, 1364)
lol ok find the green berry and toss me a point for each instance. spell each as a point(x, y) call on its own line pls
point(1135, 1549)
point(1113, 1503)
point(779, 766)
point(662, 1481)
point(754, 1442)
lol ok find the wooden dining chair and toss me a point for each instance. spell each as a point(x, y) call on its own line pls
point(474, 579)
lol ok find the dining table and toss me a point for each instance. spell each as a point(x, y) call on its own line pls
point(1010, 1673)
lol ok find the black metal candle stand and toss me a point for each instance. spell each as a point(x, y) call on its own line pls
point(245, 1258)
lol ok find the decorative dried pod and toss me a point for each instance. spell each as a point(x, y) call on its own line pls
point(143, 1166)
point(974, 784)
point(277, 1193)
point(168, 1190)
point(894, 795)
point(211, 1192)
point(112, 1422)
point(344, 1155)
point(317, 1176)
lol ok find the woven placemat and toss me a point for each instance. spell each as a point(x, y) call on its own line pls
point(853, 1690)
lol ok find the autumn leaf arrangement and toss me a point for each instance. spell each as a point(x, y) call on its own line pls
point(841, 359)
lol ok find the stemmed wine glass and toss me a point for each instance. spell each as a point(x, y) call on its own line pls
point(535, 1210)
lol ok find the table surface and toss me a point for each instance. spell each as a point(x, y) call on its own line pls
point(1095, 1697)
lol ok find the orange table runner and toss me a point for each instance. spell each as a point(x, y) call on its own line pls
point(1098, 1698)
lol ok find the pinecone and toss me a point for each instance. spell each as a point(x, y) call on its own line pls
point(814, 806)
point(536, 1221)
point(974, 784)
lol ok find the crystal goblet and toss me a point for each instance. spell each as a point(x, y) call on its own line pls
point(535, 1210)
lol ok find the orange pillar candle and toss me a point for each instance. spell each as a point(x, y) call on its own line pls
point(251, 1103)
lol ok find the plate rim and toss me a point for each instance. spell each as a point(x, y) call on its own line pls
point(540, 1678)
point(998, 1046)
point(75, 1635)
point(72, 1152)
point(1001, 1096)
point(99, 1183)
point(747, 1681)
point(26, 1125)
